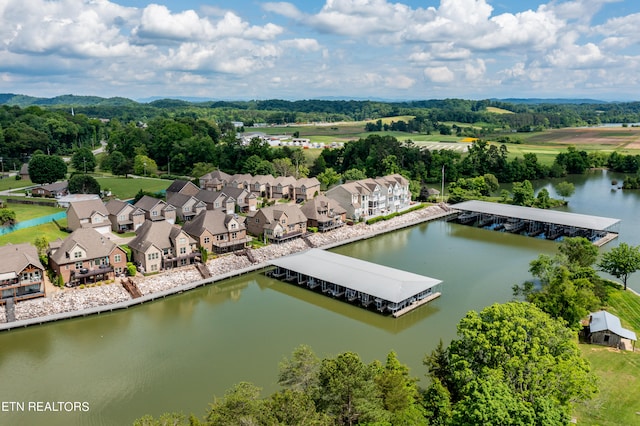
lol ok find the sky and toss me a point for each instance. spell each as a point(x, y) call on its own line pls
point(307, 49)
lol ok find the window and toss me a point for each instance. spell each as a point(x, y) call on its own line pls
point(122, 217)
point(77, 254)
point(186, 209)
point(183, 240)
point(257, 220)
point(97, 219)
point(154, 267)
point(207, 240)
point(152, 256)
point(154, 213)
point(97, 262)
point(234, 235)
point(234, 225)
point(78, 265)
point(221, 237)
point(183, 250)
point(117, 258)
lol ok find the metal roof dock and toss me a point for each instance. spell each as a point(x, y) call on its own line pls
point(532, 221)
point(392, 290)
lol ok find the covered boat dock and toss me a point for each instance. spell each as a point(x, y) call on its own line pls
point(366, 284)
point(535, 222)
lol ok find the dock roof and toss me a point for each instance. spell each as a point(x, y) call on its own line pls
point(376, 280)
point(596, 223)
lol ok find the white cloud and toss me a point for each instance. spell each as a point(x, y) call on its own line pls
point(158, 22)
point(399, 81)
point(302, 44)
point(574, 57)
point(439, 74)
point(475, 70)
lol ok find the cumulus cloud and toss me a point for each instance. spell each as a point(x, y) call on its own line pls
point(439, 74)
point(158, 22)
point(359, 47)
point(302, 44)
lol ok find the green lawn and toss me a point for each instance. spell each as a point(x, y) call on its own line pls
point(29, 211)
point(29, 235)
point(125, 188)
point(618, 402)
point(11, 183)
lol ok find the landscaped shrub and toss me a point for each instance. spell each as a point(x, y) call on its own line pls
point(131, 269)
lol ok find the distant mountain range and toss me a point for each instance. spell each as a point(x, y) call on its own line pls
point(74, 100)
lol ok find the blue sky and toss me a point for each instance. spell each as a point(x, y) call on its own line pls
point(373, 49)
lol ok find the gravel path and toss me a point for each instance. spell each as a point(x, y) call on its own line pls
point(76, 298)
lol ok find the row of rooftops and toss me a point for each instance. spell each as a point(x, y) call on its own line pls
point(246, 180)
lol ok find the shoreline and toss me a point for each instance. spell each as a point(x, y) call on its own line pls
point(75, 302)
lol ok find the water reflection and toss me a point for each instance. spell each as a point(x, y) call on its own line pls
point(386, 323)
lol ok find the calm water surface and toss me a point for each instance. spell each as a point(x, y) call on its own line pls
point(176, 354)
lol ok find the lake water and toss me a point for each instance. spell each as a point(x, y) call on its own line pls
point(176, 354)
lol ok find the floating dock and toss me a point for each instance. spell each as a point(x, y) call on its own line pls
point(535, 222)
point(369, 285)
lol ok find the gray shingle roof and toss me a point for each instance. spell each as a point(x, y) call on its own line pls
point(320, 203)
point(85, 209)
point(16, 257)
point(93, 242)
point(158, 233)
point(215, 221)
point(147, 203)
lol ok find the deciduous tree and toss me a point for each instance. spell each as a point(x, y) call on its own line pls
point(83, 160)
point(83, 184)
point(621, 262)
point(46, 168)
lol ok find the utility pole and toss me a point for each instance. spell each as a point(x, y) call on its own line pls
point(442, 189)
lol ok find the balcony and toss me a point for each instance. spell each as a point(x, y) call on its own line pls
point(329, 225)
point(84, 273)
point(284, 237)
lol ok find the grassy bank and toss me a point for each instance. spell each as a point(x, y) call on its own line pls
point(29, 235)
point(30, 211)
point(618, 402)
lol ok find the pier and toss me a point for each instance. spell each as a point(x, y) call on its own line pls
point(369, 285)
point(535, 222)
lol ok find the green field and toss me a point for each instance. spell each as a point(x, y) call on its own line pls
point(125, 188)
